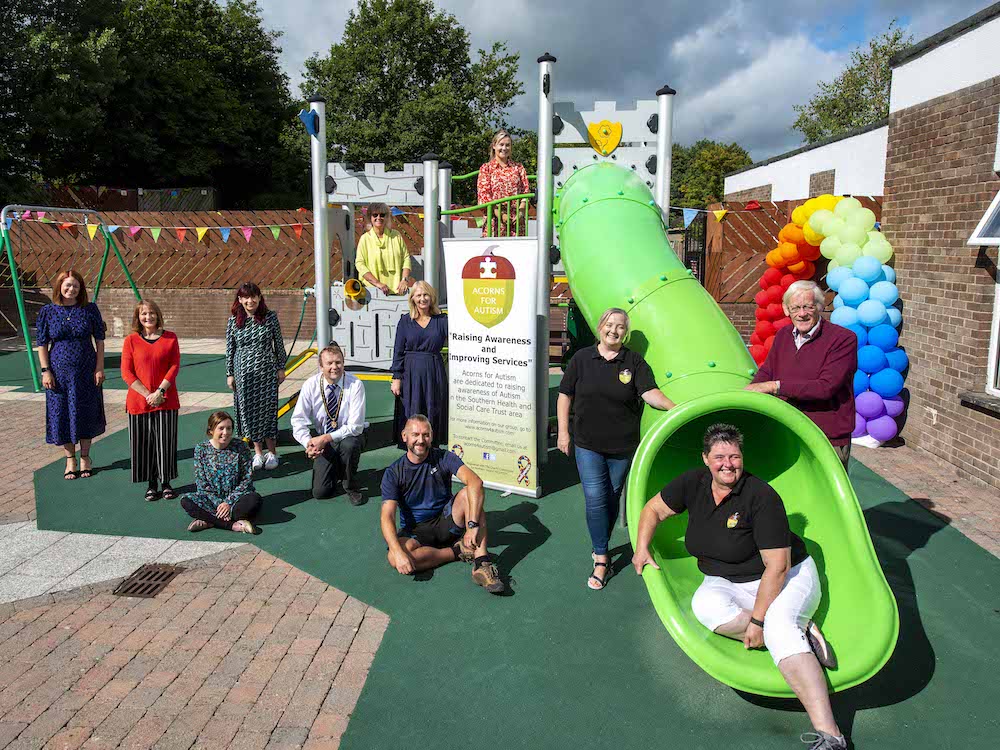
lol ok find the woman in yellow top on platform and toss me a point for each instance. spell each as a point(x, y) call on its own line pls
point(382, 259)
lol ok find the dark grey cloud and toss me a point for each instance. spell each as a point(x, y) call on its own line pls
point(738, 66)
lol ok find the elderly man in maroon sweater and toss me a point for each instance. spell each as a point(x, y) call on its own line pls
point(811, 365)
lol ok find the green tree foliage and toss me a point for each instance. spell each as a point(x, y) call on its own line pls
point(151, 93)
point(698, 171)
point(859, 96)
point(401, 83)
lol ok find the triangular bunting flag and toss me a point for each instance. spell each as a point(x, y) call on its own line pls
point(181, 232)
point(720, 214)
point(155, 231)
point(201, 232)
point(133, 232)
point(92, 230)
point(752, 206)
point(113, 228)
point(101, 190)
point(297, 228)
point(26, 215)
point(225, 233)
point(41, 215)
point(247, 231)
point(66, 225)
point(396, 211)
point(303, 210)
point(10, 221)
point(275, 231)
point(689, 214)
point(480, 221)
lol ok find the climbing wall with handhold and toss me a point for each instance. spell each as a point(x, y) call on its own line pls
point(366, 330)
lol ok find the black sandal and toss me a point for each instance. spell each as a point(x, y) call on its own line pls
point(70, 474)
point(152, 495)
point(85, 473)
point(169, 493)
point(602, 582)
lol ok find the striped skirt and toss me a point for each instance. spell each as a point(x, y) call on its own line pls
point(153, 440)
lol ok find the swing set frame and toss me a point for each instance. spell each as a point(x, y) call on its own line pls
point(109, 245)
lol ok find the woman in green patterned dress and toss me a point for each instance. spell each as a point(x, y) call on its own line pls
point(255, 366)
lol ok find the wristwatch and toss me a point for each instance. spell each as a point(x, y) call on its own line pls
point(162, 392)
point(45, 369)
point(472, 525)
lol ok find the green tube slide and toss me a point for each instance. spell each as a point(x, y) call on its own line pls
point(616, 254)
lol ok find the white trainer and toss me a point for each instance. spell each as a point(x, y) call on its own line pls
point(270, 461)
point(258, 462)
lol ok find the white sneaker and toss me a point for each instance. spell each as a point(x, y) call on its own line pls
point(258, 461)
point(270, 461)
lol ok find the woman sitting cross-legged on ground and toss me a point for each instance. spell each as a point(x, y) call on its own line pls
point(223, 471)
point(761, 586)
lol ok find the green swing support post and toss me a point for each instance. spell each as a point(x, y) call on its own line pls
point(109, 245)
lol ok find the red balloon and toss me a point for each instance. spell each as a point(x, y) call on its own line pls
point(771, 277)
point(756, 339)
point(808, 252)
point(764, 329)
point(787, 280)
point(761, 299)
point(774, 295)
point(775, 312)
point(781, 323)
point(760, 313)
point(768, 343)
point(759, 354)
point(807, 272)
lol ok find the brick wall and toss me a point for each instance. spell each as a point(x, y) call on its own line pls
point(821, 183)
point(741, 315)
point(938, 183)
point(759, 193)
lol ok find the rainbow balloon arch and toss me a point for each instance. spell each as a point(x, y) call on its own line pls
point(867, 302)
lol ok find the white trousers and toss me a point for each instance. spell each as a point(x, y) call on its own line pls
point(718, 601)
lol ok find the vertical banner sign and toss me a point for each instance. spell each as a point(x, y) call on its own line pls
point(491, 359)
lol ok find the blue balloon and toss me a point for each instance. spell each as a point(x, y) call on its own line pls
point(861, 332)
point(837, 276)
point(886, 383)
point(884, 336)
point(897, 359)
point(885, 292)
point(838, 301)
point(895, 316)
point(844, 316)
point(854, 291)
point(860, 382)
point(871, 359)
point(871, 313)
point(890, 274)
point(867, 268)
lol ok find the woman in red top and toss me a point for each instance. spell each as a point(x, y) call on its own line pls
point(150, 361)
point(501, 177)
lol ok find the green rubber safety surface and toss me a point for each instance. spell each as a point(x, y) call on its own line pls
point(556, 665)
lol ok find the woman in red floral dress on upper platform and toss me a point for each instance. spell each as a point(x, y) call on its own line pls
point(501, 177)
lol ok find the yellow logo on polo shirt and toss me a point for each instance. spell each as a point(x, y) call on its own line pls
point(733, 520)
point(625, 376)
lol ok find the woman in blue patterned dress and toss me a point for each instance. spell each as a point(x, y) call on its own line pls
point(255, 366)
point(419, 381)
point(70, 341)
point(225, 498)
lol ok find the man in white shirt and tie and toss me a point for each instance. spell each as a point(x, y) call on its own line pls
point(332, 402)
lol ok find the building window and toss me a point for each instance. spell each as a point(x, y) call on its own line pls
point(993, 381)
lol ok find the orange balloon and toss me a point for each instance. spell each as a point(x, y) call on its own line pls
point(796, 268)
point(789, 252)
point(805, 273)
point(791, 233)
point(773, 259)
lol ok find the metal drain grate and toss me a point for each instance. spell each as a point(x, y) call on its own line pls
point(147, 581)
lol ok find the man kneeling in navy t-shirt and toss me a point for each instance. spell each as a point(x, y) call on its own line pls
point(436, 528)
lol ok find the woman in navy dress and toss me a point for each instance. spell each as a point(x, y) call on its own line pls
point(418, 378)
point(70, 342)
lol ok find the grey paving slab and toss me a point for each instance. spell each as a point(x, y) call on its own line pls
point(14, 586)
point(29, 540)
point(102, 568)
point(9, 528)
point(178, 552)
point(139, 547)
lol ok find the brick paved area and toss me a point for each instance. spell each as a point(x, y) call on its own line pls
point(242, 650)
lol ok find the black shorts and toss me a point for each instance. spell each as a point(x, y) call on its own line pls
point(439, 532)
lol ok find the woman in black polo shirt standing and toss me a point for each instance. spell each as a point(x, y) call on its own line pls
point(608, 384)
point(761, 587)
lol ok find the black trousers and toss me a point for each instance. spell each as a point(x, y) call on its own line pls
point(245, 507)
point(338, 462)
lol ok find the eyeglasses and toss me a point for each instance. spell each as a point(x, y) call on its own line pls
point(378, 216)
point(802, 308)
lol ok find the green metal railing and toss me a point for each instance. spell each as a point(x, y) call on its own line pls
point(505, 210)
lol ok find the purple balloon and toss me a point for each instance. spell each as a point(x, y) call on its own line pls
point(869, 405)
point(860, 426)
point(894, 406)
point(883, 428)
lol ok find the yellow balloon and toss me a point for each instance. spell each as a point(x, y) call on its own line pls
point(813, 237)
point(827, 202)
point(810, 206)
point(799, 216)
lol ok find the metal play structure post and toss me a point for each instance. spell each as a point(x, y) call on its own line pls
point(432, 243)
point(664, 148)
point(315, 122)
point(444, 204)
point(543, 213)
point(109, 244)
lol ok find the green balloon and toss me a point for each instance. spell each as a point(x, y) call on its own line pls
point(819, 219)
point(846, 206)
point(852, 234)
point(876, 236)
point(833, 264)
point(881, 251)
point(834, 225)
point(847, 254)
point(862, 217)
point(828, 247)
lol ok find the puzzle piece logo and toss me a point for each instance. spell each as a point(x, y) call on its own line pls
point(488, 284)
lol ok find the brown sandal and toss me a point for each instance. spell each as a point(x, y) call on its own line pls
point(199, 525)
